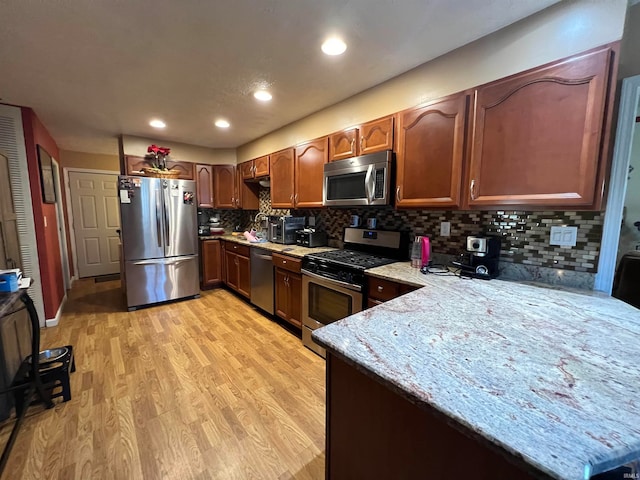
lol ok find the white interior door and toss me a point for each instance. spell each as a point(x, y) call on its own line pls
point(96, 217)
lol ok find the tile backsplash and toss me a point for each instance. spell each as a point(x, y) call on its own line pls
point(524, 234)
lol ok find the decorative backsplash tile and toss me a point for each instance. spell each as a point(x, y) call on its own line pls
point(524, 234)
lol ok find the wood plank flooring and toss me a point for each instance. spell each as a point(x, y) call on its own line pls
point(199, 389)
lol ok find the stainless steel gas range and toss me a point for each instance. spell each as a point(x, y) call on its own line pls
point(333, 283)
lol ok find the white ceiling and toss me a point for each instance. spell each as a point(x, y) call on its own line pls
point(94, 69)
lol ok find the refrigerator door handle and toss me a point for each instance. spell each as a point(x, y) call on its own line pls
point(167, 200)
point(165, 261)
point(158, 226)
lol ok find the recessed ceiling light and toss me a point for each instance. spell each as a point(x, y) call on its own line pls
point(157, 124)
point(262, 95)
point(222, 124)
point(334, 46)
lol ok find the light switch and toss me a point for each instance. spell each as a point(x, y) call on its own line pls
point(564, 236)
point(445, 229)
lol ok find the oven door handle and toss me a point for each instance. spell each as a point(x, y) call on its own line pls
point(350, 286)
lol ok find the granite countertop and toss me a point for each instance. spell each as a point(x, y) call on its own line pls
point(292, 250)
point(549, 376)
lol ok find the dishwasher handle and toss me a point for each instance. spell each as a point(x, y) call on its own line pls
point(262, 257)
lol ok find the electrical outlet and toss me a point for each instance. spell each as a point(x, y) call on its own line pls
point(445, 229)
point(563, 236)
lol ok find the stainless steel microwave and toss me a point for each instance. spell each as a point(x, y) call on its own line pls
point(358, 181)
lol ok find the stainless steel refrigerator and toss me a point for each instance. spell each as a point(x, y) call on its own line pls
point(159, 239)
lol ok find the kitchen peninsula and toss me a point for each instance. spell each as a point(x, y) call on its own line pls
point(483, 379)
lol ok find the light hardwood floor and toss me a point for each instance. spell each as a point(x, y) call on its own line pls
point(205, 388)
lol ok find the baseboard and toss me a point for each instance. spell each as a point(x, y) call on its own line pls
point(52, 322)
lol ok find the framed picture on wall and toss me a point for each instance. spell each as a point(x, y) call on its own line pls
point(46, 176)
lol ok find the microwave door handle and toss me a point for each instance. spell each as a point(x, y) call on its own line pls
point(370, 184)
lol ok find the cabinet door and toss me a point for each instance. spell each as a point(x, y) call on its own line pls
point(244, 275)
point(231, 267)
point(134, 165)
point(431, 153)
point(376, 136)
point(224, 191)
point(282, 294)
point(343, 144)
point(204, 179)
point(211, 263)
point(261, 167)
point(309, 172)
point(295, 298)
point(246, 170)
point(282, 178)
point(247, 194)
point(537, 136)
point(185, 169)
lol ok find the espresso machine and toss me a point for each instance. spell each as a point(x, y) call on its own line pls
point(481, 258)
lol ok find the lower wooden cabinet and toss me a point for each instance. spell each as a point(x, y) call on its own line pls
point(379, 290)
point(288, 286)
point(211, 261)
point(238, 268)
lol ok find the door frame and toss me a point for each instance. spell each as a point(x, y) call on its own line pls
point(67, 192)
point(629, 99)
point(62, 238)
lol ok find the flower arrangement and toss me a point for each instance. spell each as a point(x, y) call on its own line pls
point(158, 157)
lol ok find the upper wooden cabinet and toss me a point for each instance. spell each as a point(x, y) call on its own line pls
point(430, 153)
point(224, 186)
point(370, 137)
point(343, 144)
point(204, 185)
point(134, 165)
point(376, 136)
point(256, 168)
point(247, 194)
point(538, 136)
point(309, 172)
point(282, 178)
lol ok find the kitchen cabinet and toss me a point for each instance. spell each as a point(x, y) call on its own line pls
point(282, 178)
point(204, 186)
point(380, 290)
point(224, 186)
point(133, 165)
point(370, 137)
point(247, 194)
point(310, 158)
point(538, 136)
point(288, 289)
point(238, 268)
point(211, 261)
point(254, 169)
point(430, 153)
point(376, 136)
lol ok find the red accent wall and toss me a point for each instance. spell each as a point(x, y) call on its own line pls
point(36, 134)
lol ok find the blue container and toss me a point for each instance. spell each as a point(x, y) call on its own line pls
point(8, 282)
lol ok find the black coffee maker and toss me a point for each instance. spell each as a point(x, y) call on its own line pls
point(481, 258)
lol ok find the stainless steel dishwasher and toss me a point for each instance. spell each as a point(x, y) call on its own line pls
point(262, 279)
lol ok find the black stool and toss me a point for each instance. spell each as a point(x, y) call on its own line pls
point(54, 367)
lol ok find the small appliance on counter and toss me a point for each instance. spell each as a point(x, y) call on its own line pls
point(481, 258)
point(310, 237)
point(282, 229)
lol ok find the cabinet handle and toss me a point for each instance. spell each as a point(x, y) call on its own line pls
point(295, 199)
point(353, 144)
point(472, 189)
point(361, 144)
point(284, 261)
point(398, 193)
point(380, 288)
point(291, 197)
point(254, 170)
point(235, 247)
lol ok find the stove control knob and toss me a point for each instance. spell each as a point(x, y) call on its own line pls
point(312, 266)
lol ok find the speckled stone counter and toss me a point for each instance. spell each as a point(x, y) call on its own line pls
point(293, 250)
point(549, 376)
